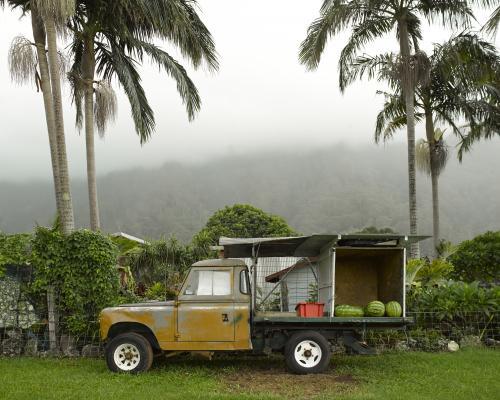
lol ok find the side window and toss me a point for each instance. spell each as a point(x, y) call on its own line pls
point(244, 282)
point(208, 283)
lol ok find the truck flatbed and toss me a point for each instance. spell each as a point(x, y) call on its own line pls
point(331, 322)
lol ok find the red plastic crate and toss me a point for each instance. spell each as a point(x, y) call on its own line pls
point(309, 309)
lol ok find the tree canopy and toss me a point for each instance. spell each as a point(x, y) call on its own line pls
point(242, 221)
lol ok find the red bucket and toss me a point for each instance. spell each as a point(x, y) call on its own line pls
point(309, 309)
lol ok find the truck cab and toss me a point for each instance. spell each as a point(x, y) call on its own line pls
point(210, 313)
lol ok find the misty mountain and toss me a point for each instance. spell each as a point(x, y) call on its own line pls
point(333, 189)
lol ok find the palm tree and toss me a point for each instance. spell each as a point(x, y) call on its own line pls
point(47, 17)
point(458, 82)
point(109, 39)
point(54, 14)
point(370, 19)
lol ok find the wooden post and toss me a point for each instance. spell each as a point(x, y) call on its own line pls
point(52, 318)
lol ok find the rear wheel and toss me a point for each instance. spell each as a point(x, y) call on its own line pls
point(129, 352)
point(307, 352)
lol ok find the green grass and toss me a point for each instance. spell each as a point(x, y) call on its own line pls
point(468, 374)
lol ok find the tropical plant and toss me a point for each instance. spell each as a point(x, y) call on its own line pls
point(43, 66)
point(478, 259)
point(241, 221)
point(81, 267)
point(370, 19)
point(459, 81)
point(14, 250)
point(163, 261)
point(109, 39)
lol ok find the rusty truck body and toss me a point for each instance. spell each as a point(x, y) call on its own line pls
point(217, 307)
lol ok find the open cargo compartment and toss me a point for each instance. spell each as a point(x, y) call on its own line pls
point(366, 274)
point(349, 269)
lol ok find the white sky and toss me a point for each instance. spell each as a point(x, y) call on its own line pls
point(261, 98)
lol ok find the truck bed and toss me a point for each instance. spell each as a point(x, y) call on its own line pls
point(287, 320)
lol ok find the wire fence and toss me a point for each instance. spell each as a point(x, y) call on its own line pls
point(283, 282)
point(431, 332)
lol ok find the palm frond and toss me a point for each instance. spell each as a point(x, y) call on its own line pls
point(114, 61)
point(22, 60)
point(391, 118)
point(456, 14)
point(335, 16)
point(59, 10)
point(491, 26)
point(362, 33)
point(185, 86)
point(105, 106)
point(422, 156)
point(174, 20)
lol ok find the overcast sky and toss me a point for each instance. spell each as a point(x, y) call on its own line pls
point(261, 97)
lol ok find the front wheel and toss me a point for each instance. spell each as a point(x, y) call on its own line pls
point(129, 352)
point(307, 352)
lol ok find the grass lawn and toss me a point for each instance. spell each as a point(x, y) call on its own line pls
point(467, 374)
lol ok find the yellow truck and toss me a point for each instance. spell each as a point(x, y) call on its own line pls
point(216, 308)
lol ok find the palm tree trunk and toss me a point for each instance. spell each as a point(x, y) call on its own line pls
point(48, 102)
point(409, 94)
point(66, 206)
point(429, 130)
point(40, 42)
point(88, 68)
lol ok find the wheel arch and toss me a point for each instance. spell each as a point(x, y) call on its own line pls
point(135, 327)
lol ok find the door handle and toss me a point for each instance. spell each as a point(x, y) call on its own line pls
point(225, 317)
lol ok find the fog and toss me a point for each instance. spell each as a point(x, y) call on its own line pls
point(260, 100)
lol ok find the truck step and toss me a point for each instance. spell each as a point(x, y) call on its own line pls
point(355, 346)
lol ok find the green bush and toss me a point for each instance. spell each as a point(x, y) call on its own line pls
point(454, 300)
point(82, 269)
point(428, 273)
point(243, 221)
point(478, 259)
point(14, 250)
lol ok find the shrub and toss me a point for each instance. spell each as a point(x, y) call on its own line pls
point(478, 259)
point(425, 272)
point(14, 249)
point(454, 300)
point(244, 221)
point(82, 269)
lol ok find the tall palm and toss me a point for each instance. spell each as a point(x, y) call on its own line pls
point(54, 14)
point(109, 40)
point(370, 19)
point(459, 82)
point(46, 17)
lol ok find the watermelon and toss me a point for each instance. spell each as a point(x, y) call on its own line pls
point(375, 309)
point(345, 310)
point(393, 309)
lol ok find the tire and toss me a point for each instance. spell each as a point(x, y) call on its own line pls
point(307, 352)
point(129, 353)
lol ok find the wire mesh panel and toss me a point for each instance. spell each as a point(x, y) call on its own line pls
point(283, 282)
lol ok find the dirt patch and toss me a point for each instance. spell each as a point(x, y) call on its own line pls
point(278, 382)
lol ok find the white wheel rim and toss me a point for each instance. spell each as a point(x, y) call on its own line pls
point(127, 356)
point(308, 353)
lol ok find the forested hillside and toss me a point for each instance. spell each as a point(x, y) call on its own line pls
point(334, 189)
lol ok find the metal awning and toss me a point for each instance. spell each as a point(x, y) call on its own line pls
point(309, 246)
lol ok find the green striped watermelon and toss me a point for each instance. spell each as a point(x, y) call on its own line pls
point(393, 309)
point(375, 309)
point(344, 310)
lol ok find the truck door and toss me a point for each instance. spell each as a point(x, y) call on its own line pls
point(206, 306)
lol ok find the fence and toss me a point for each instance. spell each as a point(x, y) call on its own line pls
point(431, 332)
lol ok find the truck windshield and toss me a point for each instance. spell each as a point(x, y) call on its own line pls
point(208, 283)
